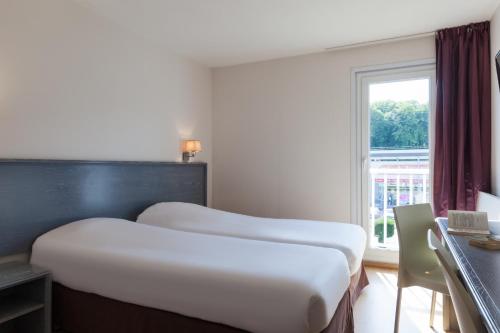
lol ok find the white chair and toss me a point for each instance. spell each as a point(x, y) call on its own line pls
point(418, 265)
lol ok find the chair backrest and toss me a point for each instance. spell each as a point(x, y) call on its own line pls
point(490, 204)
point(412, 223)
point(469, 319)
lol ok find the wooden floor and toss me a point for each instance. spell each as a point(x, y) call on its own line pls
point(374, 311)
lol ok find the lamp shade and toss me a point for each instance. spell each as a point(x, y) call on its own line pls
point(191, 146)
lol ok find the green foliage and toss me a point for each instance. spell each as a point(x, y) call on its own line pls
point(396, 125)
point(379, 228)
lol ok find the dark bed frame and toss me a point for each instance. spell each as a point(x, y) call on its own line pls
point(39, 195)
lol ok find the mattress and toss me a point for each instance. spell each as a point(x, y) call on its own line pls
point(348, 238)
point(252, 285)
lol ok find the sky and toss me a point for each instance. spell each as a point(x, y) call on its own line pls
point(400, 91)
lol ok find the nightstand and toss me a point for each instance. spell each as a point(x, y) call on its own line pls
point(25, 298)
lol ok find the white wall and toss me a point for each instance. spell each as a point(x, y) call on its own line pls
point(282, 131)
point(75, 86)
point(495, 103)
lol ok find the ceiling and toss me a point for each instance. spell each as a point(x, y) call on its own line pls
point(228, 32)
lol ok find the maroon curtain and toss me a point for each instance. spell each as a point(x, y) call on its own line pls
point(462, 161)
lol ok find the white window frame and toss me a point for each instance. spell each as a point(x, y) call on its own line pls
point(361, 77)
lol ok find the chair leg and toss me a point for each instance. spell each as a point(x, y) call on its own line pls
point(398, 310)
point(433, 308)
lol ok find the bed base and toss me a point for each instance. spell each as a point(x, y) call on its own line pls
point(80, 312)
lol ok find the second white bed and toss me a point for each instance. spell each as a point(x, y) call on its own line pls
point(252, 285)
point(348, 238)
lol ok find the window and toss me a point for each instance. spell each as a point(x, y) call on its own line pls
point(391, 155)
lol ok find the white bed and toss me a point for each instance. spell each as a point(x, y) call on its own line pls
point(348, 238)
point(285, 288)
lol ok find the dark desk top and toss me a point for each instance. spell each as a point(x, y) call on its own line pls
point(480, 270)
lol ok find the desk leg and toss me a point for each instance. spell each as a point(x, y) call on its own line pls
point(450, 323)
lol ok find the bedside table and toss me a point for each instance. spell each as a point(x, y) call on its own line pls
point(25, 298)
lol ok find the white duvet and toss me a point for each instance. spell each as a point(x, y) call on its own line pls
point(348, 238)
point(252, 285)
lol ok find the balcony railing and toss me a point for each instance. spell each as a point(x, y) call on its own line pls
point(394, 184)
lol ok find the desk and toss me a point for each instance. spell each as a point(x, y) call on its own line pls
point(480, 270)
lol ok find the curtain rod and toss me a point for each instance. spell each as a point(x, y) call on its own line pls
point(381, 41)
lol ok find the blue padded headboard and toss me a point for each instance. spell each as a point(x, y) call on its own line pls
point(39, 195)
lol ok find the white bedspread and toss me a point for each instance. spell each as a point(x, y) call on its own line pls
point(252, 285)
point(348, 238)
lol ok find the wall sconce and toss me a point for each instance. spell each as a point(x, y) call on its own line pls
point(189, 149)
